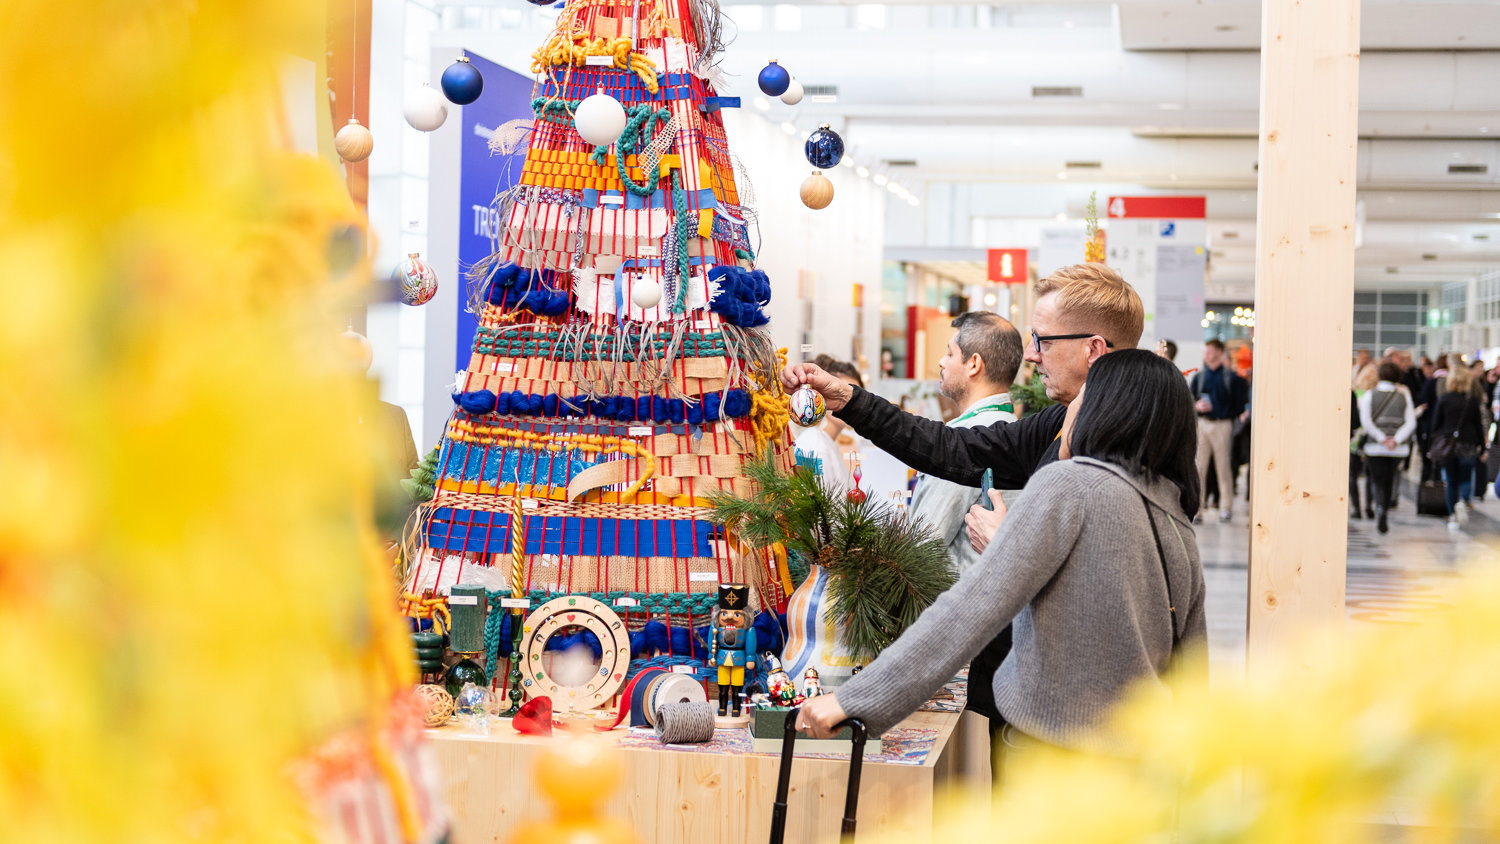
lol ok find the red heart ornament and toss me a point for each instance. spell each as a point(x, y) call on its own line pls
point(534, 718)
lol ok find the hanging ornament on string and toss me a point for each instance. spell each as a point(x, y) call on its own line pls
point(462, 82)
point(817, 191)
point(645, 293)
point(824, 148)
point(418, 281)
point(774, 80)
point(807, 406)
point(599, 119)
point(354, 142)
point(425, 108)
point(793, 93)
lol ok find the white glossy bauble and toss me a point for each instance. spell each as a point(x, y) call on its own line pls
point(645, 293)
point(600, 119)
point(793, 94)
point(425, 108)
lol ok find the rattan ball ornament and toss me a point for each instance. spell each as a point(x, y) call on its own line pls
point(354, 142)
point(773, 79)
point(462, 82)
point(600, 119)
point(817, 191)
point(436, 703)
point(419, 283)
point(793, 93)
point(807, 406)
point(824, 148)
point(425, 108)
point(645, 293)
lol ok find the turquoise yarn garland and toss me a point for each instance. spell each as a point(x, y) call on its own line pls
point(654, 605)
point(641, 122)
point(554, 111)
point(684, 221)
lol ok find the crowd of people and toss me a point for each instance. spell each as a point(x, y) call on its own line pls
point(1071, 529)
point(1439, 411)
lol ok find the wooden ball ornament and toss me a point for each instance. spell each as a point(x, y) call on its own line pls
point(436, 704)
point(354, 142)
point(817, 191)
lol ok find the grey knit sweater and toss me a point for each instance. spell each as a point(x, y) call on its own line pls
point(1074, 564)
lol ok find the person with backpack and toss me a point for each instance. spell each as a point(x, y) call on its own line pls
point(1388, 421)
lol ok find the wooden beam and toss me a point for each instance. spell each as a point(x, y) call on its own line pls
point(1304, 303)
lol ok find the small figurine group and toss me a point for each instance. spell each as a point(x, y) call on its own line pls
point(781, 690)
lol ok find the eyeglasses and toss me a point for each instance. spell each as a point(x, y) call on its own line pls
point(1038, 339)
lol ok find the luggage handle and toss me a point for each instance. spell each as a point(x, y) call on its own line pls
point(784, 775)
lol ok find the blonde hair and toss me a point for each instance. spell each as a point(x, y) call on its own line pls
point(1460, 378)
point(1367, 378)
point(1095, 297)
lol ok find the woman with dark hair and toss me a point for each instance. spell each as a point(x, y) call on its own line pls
point(1096, 563)
point(1457, 442)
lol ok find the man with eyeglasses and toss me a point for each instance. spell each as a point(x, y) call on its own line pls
point(1082, 312)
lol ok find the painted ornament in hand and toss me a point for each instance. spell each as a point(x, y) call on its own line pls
point(418, 281)
point(774, 80)
point(816, 191)
point(462, 82)
point(600, 119)
point(793, 93)
point(824, 148)
point(354, 142)
point(807, 406)
point(425, 108)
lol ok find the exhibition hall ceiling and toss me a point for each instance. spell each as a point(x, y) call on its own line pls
point(1134, 95)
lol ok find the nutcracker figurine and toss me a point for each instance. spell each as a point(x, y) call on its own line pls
point(733, 650)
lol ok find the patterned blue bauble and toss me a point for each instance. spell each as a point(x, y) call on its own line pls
point(774, 80)
point(461, 82)
point(824, 148)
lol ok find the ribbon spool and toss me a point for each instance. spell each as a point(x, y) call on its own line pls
point(685, 722)
point(651, 689)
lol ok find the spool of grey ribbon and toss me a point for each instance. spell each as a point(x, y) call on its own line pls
point(685, 723)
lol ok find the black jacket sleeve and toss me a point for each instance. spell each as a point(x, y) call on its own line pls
point(1011, 450)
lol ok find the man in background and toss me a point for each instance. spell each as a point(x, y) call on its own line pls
point(1222, 396)
point(977, 370)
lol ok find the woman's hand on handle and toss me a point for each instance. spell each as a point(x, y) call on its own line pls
point(820, 716)
point(835, 393)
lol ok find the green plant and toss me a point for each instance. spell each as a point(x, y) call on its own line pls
point(421, 486)
point(884, 567)
point(1032, 394)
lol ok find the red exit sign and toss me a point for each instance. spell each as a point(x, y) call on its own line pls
point(1158, 207)
point(1007, 266)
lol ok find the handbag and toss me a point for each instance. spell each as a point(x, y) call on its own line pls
point(1161, 555)
point(1445, 446)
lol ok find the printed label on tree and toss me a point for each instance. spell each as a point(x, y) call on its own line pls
point(507, 366)
point(463, 600)
point(599, 61)
point(627, 602)
point(515, 603)
point(703, 576)
point(640, 431)
point(683, 669)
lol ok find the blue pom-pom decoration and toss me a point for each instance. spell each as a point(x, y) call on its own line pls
point(462, 82)
point(743, 295)
point(774, 80)
point(478, 402)
point(543, 292)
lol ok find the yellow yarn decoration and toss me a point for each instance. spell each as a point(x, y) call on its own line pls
point(197, 520)
point(769, 410)
point(566, 49)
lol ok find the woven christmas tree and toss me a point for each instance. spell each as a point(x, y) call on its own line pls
point(621, 370)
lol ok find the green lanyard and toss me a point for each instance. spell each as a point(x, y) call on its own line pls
point(975, 411)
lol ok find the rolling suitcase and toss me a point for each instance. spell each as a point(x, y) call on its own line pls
point(1432, 499)
point(784, 777)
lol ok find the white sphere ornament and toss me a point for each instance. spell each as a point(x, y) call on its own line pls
point(807, 406)
point(817, 191)
point(793, 94)
point(600, 119)
point(425, 108)
point(645, 293)
point(354, 142)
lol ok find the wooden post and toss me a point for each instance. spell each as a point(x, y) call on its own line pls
point(1304, 303)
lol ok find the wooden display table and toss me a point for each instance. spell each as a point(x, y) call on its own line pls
point(694, 796)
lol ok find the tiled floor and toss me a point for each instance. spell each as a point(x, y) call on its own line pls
point(1391, 579)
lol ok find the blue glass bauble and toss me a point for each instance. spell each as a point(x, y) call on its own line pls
point(824, 148)
point(774, 80)
point(461, 82)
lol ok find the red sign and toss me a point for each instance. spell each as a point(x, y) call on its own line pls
point(1007, 266)
point(1158, 207)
